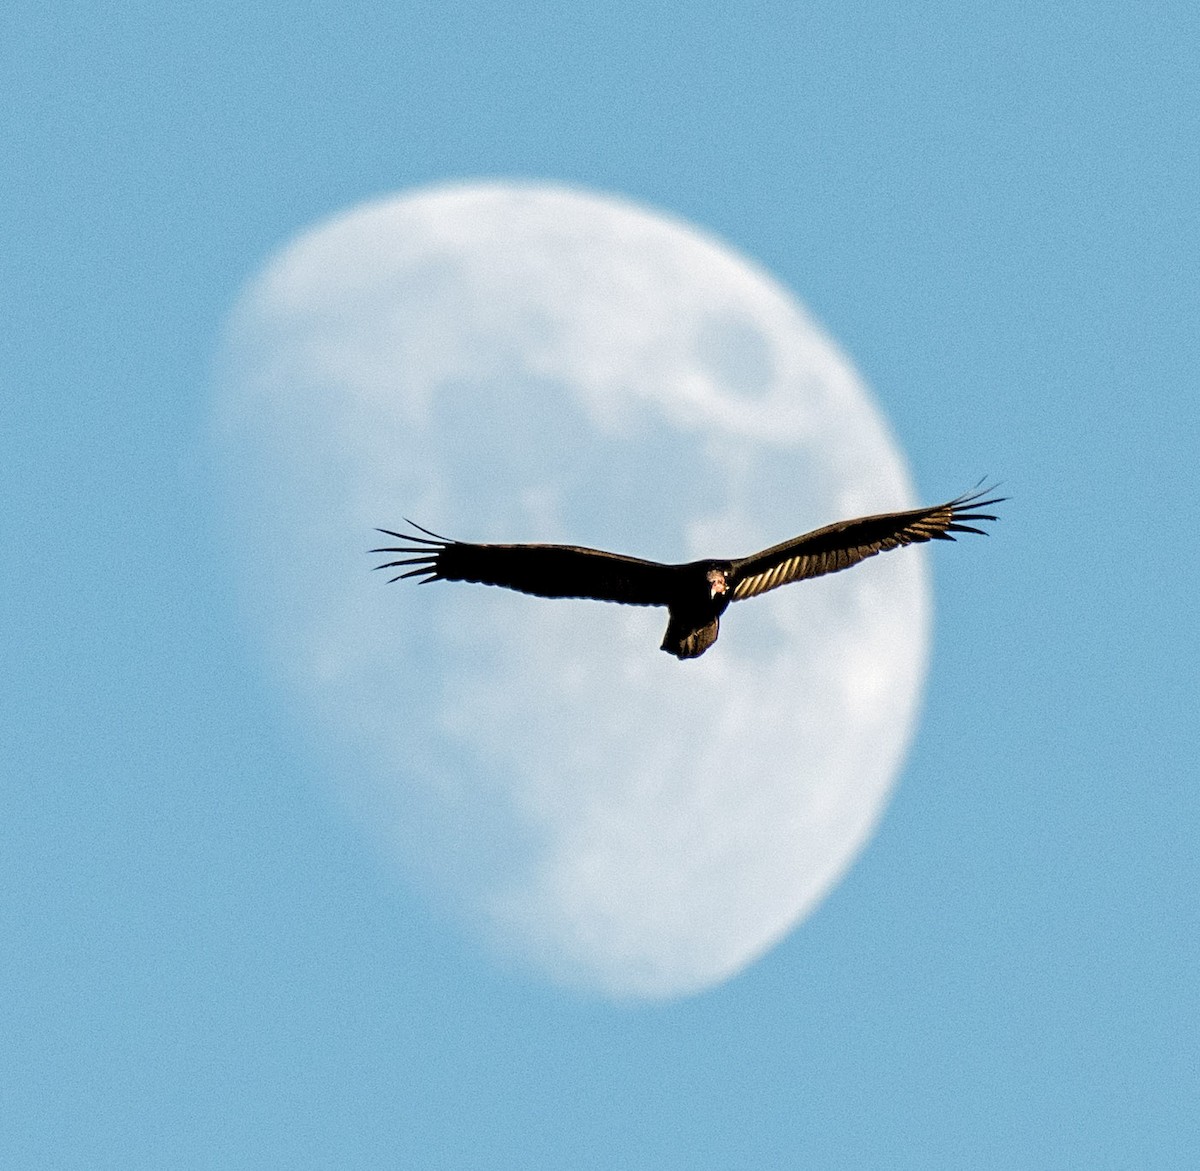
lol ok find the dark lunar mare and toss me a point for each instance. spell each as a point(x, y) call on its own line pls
point(696, 593)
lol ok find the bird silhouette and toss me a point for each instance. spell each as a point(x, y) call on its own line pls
point(695, 593)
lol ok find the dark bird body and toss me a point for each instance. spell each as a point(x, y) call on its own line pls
point(695, 593)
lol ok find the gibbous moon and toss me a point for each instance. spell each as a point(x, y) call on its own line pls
point(507, 362)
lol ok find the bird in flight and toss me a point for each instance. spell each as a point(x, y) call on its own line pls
point(695, 593)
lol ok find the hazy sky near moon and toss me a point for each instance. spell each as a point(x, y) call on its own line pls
point(535, 363)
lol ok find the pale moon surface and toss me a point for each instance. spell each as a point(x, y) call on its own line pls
point(531, 363)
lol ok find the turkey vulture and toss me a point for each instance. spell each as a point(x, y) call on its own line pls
point(696, 593)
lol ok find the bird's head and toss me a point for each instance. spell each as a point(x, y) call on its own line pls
point(717, 584)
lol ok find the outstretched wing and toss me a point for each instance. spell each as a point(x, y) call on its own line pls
point(838, 546)
point(549, 571)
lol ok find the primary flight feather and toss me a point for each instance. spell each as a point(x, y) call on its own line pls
point(695, 593)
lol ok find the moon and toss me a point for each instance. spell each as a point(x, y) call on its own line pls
point(519, 362)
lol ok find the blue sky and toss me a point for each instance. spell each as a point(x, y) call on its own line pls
point(992, 211)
